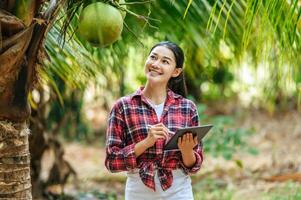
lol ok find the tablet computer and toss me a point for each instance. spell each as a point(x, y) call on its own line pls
point(199, 131)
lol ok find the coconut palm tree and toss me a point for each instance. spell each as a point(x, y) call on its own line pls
point(23, 27)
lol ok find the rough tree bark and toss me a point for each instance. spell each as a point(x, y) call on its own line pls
point(21, 48)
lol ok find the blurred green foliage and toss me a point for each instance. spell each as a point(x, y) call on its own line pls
point(67, 118)
point(225, 139)
point(234, 50)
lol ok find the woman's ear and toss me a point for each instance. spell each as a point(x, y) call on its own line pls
point(176, 72)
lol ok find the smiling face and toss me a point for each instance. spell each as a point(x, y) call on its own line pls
point(160, 65)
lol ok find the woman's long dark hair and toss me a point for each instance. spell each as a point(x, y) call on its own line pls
point(176, 84)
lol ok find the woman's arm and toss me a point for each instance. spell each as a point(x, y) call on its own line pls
point(118, 156)
point(140, 147)
point(186, 144)
point(191, 149)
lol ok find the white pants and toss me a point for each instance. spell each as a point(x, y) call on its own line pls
point(180, 189)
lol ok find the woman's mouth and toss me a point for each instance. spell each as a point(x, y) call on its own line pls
point(154, 73)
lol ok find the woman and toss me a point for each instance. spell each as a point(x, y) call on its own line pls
point(141, 123)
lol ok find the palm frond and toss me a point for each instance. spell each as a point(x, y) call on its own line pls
point(71, 62)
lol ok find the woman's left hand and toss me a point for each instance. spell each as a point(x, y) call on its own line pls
point(187, 142)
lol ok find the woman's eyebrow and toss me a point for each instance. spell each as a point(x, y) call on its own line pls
point(168, 58)
point(155, 54)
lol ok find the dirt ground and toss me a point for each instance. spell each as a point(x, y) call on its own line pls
point(277, 138)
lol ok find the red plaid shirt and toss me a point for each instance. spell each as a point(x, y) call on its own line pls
point(128, 122)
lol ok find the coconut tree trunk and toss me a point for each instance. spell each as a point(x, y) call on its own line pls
point(22, 31)
point(14, 161)
point(14, 109)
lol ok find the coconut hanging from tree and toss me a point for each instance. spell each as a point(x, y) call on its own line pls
point(100, 24)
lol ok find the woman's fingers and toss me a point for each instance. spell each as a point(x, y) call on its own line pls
point(161, 129)
point(187, 141)
point(195, 139)
point(158, 128)
point(188, 138)
point(160, 137)
point(166, 131)
point(163, 133)
point(165, 128)
point(160, 133)
point(179, 141)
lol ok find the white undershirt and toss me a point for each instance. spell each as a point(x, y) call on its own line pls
point(158, 108)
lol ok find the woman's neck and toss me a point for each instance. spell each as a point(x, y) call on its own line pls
point(155, 93)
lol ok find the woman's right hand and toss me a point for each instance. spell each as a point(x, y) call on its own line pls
point(155, 132)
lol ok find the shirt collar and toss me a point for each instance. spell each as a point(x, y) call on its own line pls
point(170, 94)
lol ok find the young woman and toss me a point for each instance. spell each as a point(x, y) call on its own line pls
point(141, 123)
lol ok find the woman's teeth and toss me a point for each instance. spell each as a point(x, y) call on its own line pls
point(154, 73)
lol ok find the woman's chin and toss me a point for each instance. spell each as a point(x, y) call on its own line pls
point(154, 80)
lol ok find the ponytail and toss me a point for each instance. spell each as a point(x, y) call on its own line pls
point(178, 85)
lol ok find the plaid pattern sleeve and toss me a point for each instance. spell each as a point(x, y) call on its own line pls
point(198, 150)
point(118, 156)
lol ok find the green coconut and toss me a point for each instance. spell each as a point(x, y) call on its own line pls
point(100, 24)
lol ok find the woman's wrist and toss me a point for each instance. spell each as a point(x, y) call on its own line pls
point(140, 147)
point(188, 158)
point(147, 143)
point(187, 152)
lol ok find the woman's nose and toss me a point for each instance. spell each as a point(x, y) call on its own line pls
point(156, 64)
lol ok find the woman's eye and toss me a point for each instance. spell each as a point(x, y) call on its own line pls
point(153, 57)
point(165, 62)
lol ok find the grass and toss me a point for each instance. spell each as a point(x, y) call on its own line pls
point(290, 191)
point(212, 189)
